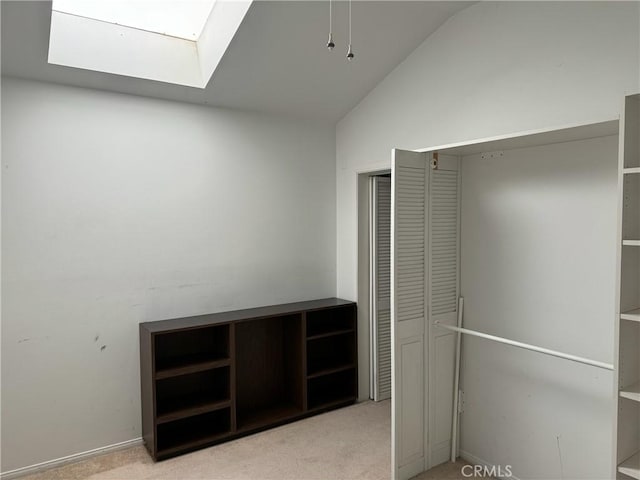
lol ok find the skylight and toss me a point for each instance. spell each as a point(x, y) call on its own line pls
point(177, 18)
point(172, 41)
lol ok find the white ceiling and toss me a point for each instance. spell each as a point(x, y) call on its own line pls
point(277, 62)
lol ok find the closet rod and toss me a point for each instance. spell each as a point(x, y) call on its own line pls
point(526, 346)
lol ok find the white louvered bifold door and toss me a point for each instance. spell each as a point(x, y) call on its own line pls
point(408, 309)
point(381, 286)
point(444, 225)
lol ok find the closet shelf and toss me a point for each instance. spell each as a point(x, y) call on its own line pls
point(633, 315)
point(631, 243)
point(631, 170)
point(631, 466)
point(632, 392)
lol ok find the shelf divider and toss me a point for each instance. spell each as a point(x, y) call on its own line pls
point(331, 334)
point(193, 368)
point(192, 411)
point(329, 371)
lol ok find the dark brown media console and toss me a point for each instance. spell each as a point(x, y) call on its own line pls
point(212, 378)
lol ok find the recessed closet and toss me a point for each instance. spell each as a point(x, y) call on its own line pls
point(538, 233)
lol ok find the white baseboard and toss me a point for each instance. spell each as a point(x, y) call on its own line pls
point(58, 462)
point(479, 461)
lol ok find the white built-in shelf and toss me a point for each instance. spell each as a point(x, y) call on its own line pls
point(629, 171)
point(633, 315)
point(632, 392)
point(631, 243)
point(631, 466)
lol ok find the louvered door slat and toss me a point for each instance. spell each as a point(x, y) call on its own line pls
point(444, 241)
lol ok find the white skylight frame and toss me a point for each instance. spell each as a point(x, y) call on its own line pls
point(96, 44)
point(184, 19)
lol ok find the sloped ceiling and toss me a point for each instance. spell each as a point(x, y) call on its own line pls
point(277, 63)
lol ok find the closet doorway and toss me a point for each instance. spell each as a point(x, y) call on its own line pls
point(374, 284)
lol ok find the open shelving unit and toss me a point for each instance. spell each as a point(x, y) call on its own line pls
point(212, 378)
point(331, 372)
point(628, 321)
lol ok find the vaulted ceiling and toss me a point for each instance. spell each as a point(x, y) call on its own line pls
point(277, 62)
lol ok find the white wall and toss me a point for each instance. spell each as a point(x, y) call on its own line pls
point(538, 264)
point(492, 69)
point(119, 209)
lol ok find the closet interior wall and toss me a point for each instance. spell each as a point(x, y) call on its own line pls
point(537, 266)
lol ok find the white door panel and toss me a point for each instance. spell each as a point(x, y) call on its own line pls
point(424, 289)
point(408, 309)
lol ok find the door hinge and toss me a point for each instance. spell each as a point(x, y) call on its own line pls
point(434, 161)
point(460, 401)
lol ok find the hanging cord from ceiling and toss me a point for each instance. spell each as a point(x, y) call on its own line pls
point(350, 54)
point(330, 43)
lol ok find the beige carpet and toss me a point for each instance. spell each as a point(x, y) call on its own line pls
point(449, 471)
point(352, 443)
